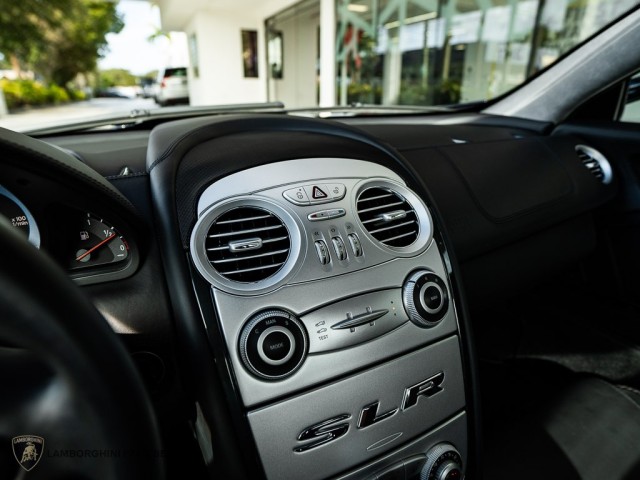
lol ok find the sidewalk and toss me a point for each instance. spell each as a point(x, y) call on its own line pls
point(72, 113)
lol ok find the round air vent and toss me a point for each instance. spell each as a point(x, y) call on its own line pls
point(388, 217)
point(247, 244)
point(596, 163)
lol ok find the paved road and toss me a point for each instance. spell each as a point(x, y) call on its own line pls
point(72, 113)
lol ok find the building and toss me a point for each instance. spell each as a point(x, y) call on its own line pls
point(338, 52)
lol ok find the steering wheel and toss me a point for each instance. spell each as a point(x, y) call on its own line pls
point(66, 378)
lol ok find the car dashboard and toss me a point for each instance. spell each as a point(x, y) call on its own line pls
point(318, 273)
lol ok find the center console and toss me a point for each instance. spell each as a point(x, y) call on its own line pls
point(335, 307)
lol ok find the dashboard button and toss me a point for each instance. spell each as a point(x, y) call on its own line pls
point(432, 298)
point(356, 246)
point(323, 252)
point(326, 214)
point(336, 190)
point(349, 322)
point(297, 196)
point(276, 345)
point(367, 317)
point(318, 193)
point(340, 249)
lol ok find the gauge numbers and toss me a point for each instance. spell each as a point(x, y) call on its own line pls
point(20, 217)
point(97, 244)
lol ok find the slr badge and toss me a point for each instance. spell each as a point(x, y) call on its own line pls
point(323, 432)
point(334, 428)
point(27, 450)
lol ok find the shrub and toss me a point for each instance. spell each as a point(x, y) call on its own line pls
point(57, 94)
point(23, 93)
point(12, 95)
point(77, 94)
point(32, 92)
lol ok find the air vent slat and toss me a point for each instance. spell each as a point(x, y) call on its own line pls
point(377, 218)
point(395, 230)
point(266, 251)
point(226, 247)
point(377, 197)
point(276, 239)
point(373, 232)
point(373, 209)
point(244, 232)
point(413, 232)
point(250, 257)
point(238, 220)
point(253, 269)
point(215, 249)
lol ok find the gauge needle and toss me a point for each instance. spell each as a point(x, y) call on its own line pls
point(93, 249)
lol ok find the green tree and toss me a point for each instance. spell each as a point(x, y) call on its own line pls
point(57, 38)
point(116, 77)
point(79, 42)
point(24, 25)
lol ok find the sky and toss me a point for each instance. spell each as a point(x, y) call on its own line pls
point(130, 48)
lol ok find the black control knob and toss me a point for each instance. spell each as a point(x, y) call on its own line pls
point(273, 344)
point(443, 463)
point(426, 298)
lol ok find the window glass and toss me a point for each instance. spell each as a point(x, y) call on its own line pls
point(431, 52)
point(631, 112)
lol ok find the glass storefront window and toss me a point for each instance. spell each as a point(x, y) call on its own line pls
point(434, 52)
point(293, 54)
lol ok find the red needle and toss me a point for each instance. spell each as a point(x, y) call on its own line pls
point(96, 247)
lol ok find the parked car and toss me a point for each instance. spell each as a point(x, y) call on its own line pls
point(148, 87)
point(172, 86)
point(361, 292)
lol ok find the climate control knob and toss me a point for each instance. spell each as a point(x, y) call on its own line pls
point(426, 298)
point(273, 344)
point(443, 463)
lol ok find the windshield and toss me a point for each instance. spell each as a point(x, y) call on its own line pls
point(66, 61)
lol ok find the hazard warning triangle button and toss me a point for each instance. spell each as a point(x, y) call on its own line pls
point(318, 194)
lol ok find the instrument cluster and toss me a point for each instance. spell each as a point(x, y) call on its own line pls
point(90, 247)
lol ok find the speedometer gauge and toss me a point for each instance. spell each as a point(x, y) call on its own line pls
point(97, 243)
point(19, 216)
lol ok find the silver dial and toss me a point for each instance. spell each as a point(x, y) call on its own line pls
point(443, 462)
point(426, 298)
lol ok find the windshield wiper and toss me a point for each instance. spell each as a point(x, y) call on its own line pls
point(139, 116)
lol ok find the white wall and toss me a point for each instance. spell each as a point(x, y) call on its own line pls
point(298, 86)
point(218, 31)
point(221, 79)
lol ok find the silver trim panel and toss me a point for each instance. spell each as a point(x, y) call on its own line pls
point(276, 428)
point(300, 172)
point(453, 431)
point(302, 299)
point(348, 297)
point(342, 222)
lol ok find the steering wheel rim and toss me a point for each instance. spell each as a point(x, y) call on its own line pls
point(87, 384)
